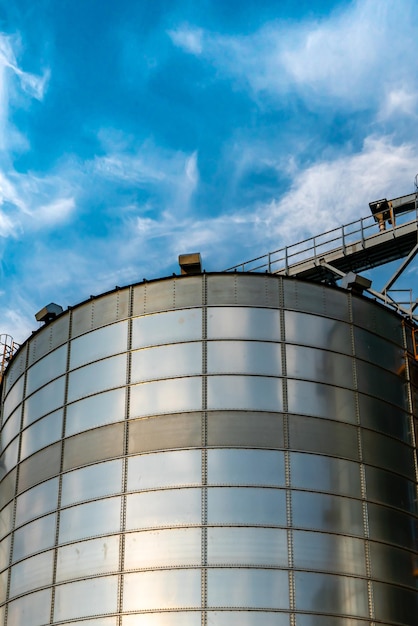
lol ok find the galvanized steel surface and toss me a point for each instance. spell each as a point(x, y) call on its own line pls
point(216, 449)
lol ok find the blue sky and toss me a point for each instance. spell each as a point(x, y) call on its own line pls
point(135, 131)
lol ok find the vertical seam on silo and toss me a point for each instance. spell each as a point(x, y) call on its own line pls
point(288, 482)
point(411, 407)
point(204, 516)
point(125, 458)
point(408, 381)
point(92, 316)
point(6, 610)
point(296, 295)
point(363, 482)
point(50, 339)
point(280, 291)
point(64, 420)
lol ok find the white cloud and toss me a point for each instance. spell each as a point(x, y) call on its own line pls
point(54, 212)
point(355, 55)
point(29, 202)
point(19, 325)
point(185, 185)
point(34, 85)
point(336, 56)
point(323, 196)
point(189, 39)
point(14, 82)
point(331, 193)
point(7, 226)
point(9, 191)
point(172, 176)
point(21, 195)
point(191, 170)
point(399, 101)
point(126, 168)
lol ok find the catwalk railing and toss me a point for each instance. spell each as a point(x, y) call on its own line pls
point(361, 238)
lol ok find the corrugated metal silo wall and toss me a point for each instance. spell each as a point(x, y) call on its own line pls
point(219, 449)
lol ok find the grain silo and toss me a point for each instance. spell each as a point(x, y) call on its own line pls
point(220, 449)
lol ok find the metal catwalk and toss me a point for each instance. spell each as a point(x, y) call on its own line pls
point(355, 247)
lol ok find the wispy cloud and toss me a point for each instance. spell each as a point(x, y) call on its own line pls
point(356, 55)
point(131, 236)
point(54, 212)
point(127, 168)
point(26, 200)
point(330, 193)
point(322, 196)
point(400, 101)
point(32, 85)
point(188, 38)
point(29, 202)
point(171, 177)
point(18, 319)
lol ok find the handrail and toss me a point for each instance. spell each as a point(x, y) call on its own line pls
point(7, 349)
point(313, 248)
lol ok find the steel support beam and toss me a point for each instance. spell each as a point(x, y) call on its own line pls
point(401, 268)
